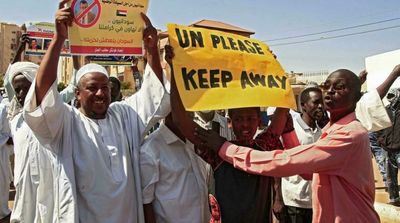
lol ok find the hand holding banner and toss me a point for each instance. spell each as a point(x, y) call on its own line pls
point(218, 70)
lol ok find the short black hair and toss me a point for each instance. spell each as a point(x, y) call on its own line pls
point(115, 80)
point(232, 110)
point(305, 94)
point(83, 2)
point(354, 82)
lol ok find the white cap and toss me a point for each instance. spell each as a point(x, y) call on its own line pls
point(90, 68)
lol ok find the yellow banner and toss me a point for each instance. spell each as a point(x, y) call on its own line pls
point(107, 27)
point(218, 70)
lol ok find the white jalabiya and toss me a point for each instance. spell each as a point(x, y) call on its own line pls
point(371, 112)
point(5, 152)
point(39, 180)
point(174, 178)
point(43, 190)
point(101, 157)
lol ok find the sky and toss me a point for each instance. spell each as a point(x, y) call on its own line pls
point(271, 20)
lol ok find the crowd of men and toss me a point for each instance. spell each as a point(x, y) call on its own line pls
point(86, 155)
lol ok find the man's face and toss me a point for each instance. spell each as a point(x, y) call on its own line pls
point(93, 94)
point(115, 92)
point(339, 95)
point(314, 107)
point(34, 43)
point(83, 6)
point(21, 86)
point(245, 122)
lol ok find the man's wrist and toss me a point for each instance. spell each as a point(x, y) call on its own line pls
point(59, 39)
point(393, 75)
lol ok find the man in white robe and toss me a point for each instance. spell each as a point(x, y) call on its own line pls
point(39, 179)
point(5, 152)
point(97, 145)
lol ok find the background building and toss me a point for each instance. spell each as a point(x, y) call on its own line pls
point(315, 76)
point(9, 40)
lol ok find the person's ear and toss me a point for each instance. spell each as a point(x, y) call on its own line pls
point(358, 96)
point(229, 122)
point(77, 94)
point(303, 108)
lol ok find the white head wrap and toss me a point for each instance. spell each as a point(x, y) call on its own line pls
point(90, 68)
point(28, 69)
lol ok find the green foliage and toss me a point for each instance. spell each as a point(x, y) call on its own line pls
point(61, 86)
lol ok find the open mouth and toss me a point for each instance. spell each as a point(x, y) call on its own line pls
point(99, 102)
point(327, 99)
point(246, 133)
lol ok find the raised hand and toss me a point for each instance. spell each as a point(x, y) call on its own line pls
point(64, 18)
point(135, 62)
point(363, 76)
point(24, 39)
point(169, 54)
point(150, 42)
point(150, 35)
point(396, 70)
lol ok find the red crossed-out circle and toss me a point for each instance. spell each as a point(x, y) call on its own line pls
point(77, 18)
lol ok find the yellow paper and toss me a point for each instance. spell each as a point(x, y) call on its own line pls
point(218, 70)
point(107, 27)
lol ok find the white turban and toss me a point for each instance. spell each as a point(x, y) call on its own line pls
point(28, 69)
point(90, 68)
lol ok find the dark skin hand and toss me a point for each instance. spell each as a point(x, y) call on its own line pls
point(21, 48)
point(47, 72)
point(278, 205)
point(363, 76)
point(278, 126)
point(385, 86)
point(209, 138)
point(150, 42)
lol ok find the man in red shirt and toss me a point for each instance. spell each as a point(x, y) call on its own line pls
point(340, 161)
